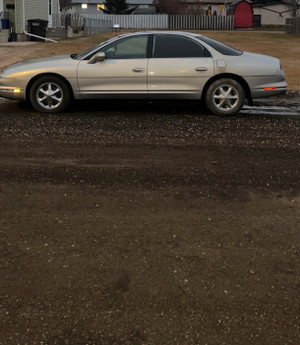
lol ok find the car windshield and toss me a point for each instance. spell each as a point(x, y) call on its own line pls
point(90, 50)
point(86, 52)
point(220, 47)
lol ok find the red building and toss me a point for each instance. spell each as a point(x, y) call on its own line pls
point(243, 14)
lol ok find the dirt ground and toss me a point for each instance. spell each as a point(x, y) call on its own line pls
point(14, 52)
point(148, 224)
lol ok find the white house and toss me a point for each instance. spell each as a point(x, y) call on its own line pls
point(18, 12)
point(273, 14)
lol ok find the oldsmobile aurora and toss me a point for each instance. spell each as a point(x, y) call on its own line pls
point(149, 65)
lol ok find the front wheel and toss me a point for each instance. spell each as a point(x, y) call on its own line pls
point(49, 94)
point(225, 97)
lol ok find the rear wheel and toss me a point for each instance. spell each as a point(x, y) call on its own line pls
point(49, 94)
point(225, 97)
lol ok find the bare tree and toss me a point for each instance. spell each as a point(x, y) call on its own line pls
point(118, 7)
point(170, 6)
point(195, 7)
point(294, 7)
point(65, 4)
point(179, 6)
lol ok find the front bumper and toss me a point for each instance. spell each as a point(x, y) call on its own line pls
point(11, 89)
point(12, 93)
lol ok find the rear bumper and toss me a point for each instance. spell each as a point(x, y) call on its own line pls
point(269, 90)
point(267, 86)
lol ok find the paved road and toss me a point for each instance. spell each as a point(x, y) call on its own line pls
point(148, 224)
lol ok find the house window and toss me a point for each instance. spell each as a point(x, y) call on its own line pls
point(84, 6)
point(50, 7)
point(100, 7)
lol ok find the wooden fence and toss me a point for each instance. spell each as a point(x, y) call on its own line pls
point(95, 23)
point(292, 26)
point(137, 21)
point(95, 26)
point(200, 22)
point(171, 22)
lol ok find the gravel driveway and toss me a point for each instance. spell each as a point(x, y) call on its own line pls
point(148, 224)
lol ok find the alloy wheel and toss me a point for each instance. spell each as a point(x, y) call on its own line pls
point(49, 95)
point(225, 97)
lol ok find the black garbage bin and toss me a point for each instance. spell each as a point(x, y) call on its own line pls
point(37, 27)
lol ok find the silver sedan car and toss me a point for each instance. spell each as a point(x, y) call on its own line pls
point(148, 65)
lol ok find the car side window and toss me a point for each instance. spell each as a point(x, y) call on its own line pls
point(127, 48)
point(175, 46)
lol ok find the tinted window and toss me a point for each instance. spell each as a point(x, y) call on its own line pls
point(87, 53)
point(127, 48)
point(220, 47)
point(175, 46)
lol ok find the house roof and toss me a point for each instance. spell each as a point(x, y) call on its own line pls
point(129, 2)
point(237, 2)
point(272, 4)
point(150, 2)
point(210, 2)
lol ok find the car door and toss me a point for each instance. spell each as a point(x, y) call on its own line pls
point(180, 66)
point(122, 72)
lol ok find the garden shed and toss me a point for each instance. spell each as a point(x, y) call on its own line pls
point(243, 14)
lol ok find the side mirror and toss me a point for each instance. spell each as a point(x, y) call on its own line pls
point(96, 58)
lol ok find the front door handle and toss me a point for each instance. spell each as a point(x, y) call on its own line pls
point(201, 69)
point(138, 70)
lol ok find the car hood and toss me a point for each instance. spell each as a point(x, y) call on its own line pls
point(36, 63)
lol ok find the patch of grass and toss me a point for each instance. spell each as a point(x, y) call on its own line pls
point(269, 28)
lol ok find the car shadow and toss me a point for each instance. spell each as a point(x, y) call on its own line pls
point(98, 108)
point(133, 108)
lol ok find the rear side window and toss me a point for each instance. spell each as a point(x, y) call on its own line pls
point(220, 47)
point(175, 46)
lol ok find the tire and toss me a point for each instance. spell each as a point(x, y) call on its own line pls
point(225, 97)
point(49, 94)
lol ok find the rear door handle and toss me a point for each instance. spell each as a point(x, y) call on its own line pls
point(201, 69)
point(138, 70)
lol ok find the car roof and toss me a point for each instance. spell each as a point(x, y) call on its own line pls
point(153, 32)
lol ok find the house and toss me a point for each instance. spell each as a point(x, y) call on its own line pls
point(243, 14)
point(273, 13)
point(216, 7)
point(16, 13)
point(96, 6)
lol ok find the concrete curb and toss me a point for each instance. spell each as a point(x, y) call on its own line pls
point(18, 44)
